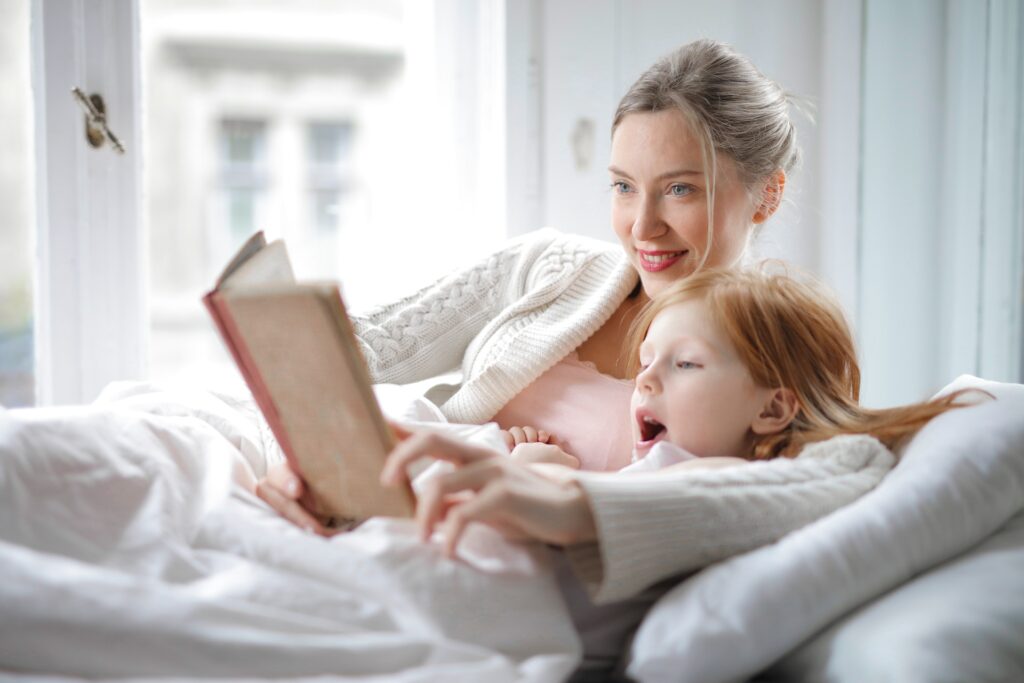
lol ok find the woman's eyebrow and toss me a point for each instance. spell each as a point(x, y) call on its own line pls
point(669, 174)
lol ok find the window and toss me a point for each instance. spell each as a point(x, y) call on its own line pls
point(244, 176)
point(16, 209)
point(250, 124)
point(329, 157)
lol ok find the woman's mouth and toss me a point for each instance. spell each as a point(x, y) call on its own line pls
point(653, 261)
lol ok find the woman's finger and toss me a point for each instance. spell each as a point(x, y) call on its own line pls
point(430, 444)
point(431, 503)
point(288, 508)
point(401, 432)
point(488, 507)
point(283, 478)
point(530, 434)
point(485, 507)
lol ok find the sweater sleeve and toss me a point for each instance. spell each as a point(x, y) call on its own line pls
point(651, 526)
point(427, 332)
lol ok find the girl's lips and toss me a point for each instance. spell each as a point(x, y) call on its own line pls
point(643, 445)
point(653, 261)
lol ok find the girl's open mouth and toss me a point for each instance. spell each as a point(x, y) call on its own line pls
point(651, 431)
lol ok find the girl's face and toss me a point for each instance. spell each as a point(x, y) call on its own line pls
point(693, 390)
point(660, 200)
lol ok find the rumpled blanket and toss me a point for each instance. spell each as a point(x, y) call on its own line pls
point(131, 546)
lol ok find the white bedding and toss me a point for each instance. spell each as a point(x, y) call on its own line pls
point(128, 548)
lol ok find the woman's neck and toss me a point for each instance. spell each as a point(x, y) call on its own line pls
point(606, 348)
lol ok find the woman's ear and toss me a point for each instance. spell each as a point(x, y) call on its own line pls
point(771, 197)
point(778, 411)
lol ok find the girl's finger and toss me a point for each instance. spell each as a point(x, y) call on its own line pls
point(531, 434)
point(543, 436)
point(517, 435)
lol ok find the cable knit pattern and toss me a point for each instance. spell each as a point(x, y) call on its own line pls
point(656, 525)
point(503, 321)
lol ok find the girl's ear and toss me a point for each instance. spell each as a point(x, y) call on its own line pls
point(771, 197)
point(778, 411)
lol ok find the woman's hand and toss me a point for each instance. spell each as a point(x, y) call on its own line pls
point(489, 487)
point(284, 490)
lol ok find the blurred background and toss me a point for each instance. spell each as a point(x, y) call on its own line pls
point(390, 141)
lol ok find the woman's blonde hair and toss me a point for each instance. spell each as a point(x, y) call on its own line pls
point(730, 106)
point(790, 334)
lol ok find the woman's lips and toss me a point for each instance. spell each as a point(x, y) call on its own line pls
point(653, 261)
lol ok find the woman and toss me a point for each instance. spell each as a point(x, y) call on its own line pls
point(701, 145)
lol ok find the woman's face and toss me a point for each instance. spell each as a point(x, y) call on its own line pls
point(660, 200)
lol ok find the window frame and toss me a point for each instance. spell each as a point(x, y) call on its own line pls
point(90, 274)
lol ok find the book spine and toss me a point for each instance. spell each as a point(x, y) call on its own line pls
point(221, 314)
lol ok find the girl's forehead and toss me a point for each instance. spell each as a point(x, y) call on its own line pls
point(687, 317)
point(689, 320)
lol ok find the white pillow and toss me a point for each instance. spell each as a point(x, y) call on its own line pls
point(960, 479)
point(963, 621)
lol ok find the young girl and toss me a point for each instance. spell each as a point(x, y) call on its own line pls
point(733, 366)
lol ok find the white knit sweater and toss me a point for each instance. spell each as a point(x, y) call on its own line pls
point(504, 321)
point(659, 524)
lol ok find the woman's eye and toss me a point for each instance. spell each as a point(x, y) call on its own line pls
point(621, 187)
point(680, 190)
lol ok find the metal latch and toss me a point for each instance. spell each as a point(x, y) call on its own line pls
point(96, 129)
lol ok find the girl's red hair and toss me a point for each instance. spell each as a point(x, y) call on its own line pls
point(790, 334)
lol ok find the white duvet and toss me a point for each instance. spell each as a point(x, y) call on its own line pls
point(130, 546)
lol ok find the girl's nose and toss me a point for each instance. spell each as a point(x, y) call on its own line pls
point(648, 223)
point(647, 380)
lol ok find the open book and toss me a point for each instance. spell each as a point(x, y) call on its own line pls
point(295, 347)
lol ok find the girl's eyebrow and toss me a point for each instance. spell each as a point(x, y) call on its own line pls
point(664, 176)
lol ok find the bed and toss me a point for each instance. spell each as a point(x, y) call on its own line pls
point(131, 548)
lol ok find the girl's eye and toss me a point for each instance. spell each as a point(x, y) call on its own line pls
point(680, 190)
point(621, 187)
point(687, 365)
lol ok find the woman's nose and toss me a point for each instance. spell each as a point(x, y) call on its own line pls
point(648, 224)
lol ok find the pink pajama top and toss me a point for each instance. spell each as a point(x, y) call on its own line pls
point(587, 410)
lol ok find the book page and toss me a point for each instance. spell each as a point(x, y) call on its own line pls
point(258, 263)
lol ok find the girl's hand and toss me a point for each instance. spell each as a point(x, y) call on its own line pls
point(284, 490)
point(515, 436)
point(536, 453)
point(489, 487)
